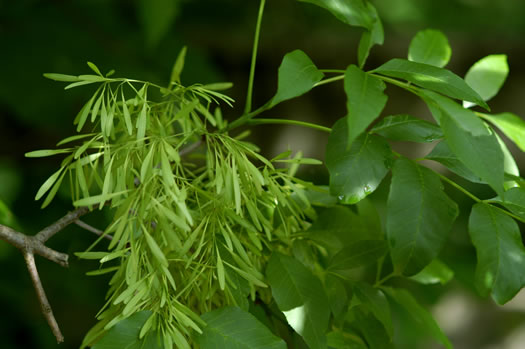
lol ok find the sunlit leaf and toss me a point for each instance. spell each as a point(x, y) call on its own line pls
point(351, 12)
point(432, 78)
point(419, 216)
point(61, 77)
point(94, 68)
point(301, 297)
point(297, 75)
point(487, 75)
point(500, 251)
point(47, 152)
point(511, 125)
point(356, 170)
point(231, 327)
point(435, 272)
point(365, 100)
point(430, 46)
point(48, 183)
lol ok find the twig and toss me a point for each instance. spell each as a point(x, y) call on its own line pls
point(54, 228)
point(88, 227)
point(41, 294)
point(29, 245)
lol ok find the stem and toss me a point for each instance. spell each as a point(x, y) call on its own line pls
point(398, 83)
point(459, 187)
point(289, 122)
point(248, 107)
point(329, 80)
point(385, 279)
point(336, 71)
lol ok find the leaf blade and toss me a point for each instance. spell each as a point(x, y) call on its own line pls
point(419, 216)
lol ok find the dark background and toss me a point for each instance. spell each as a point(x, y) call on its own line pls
point(140, 39)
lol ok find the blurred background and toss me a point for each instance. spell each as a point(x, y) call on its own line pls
point(141, 39)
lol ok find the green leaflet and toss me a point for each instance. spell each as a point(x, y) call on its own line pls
point(419, 217)
point(300, 296)
point(356, 169)
point(487, 75)
point(407, 128)
point(430, 47)
point(442, 154)
point(358, 254)
point(375, 301)
point(341, 340)
point(511, 125)
point(297, 75)
point(369, 326)
point(365, 101)
point(514, 201)
point(465, 118)
point(338, 226)
point(371, 37)
point(231, 327)
point(418, 313)
point(471, 140)
point(501, 255)
point(435, 272)
point(125, 334)
point(47, 152)
point(431, 77)
point(474, 151)
point(351, 12)
point(337, 295)
point(178, 66)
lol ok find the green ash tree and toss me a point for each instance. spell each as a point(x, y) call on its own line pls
point(212, 245)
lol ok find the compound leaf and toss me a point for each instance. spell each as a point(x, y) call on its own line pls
point(419, 216)
point(501, 255)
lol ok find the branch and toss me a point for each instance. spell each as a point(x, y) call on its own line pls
point(41, 294)
point(54, 228)
point(29, 245)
